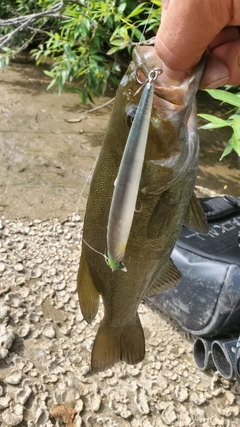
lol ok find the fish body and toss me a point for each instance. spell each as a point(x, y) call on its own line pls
point(164, 203)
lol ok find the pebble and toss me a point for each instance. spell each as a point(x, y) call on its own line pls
point(14, 415)
point(4, 402)
point(48, 330)
point(14, 377)
point(95, 401)
point(198, 398)
point(2, 267)
point(169, 415)
point(22, 395)
point(6, 340)
point(13, 299)
point(36, 273)
point(24, 330)
point(4, 312)
point(19, 267)
point(181, 393)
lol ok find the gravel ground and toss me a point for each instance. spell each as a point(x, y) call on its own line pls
point(45, 345)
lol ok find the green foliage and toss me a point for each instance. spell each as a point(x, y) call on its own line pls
point(86, 45)
point(233, 120)
point(85, 39)
point(19, 37)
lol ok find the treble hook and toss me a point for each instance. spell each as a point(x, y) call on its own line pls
point(152, 76)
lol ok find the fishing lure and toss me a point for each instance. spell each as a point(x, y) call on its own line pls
point(128, 179)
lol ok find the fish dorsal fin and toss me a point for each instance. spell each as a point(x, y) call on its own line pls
point(161, 219)
point(88, 294)
point(164, 279)
point(195, 219)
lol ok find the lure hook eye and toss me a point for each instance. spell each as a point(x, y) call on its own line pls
point(152, 76)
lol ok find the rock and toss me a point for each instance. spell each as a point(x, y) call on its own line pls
point(6, 340)
point(24, 330)
point(19, 267)
point(48, 330)
point(14, 377)
point(142, 402)
point(2, 267)
point(4, 402)
point(169, 415)
point(95, 401)
point(181, 393)
point(198, 398)
point(13, 299)
point(4, 312)
point(22, 395)
point(41, 417)
point(14, 415)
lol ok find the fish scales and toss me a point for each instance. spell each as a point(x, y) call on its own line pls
point(165, 202)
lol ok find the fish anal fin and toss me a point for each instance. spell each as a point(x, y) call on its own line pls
point(88, 294)
point(112, 345)
point(161, 219)
point(195, 219)
point(165, 279)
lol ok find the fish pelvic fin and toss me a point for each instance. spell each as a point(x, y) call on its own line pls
point(87, 293)
point(164, 279)
point(195, 219)
point(112, 345)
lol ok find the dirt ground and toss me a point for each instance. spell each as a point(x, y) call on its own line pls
point(44, 360)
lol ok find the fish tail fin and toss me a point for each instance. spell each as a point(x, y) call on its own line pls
point(112, 345)
point(87, 293)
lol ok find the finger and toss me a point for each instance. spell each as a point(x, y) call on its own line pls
point(187, 28)
point(229, 53)
point(227, 35)
point(216, 73)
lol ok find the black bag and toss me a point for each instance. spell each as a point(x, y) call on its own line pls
point(206, 302)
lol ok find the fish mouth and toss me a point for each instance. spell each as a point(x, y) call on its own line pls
point(168, 94)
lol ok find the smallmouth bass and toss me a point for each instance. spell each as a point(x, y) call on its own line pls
point(164, 203)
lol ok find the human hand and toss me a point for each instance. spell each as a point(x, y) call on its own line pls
point(191, 27)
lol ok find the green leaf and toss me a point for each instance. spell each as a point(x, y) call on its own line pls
point(137, 33)
point(211, 126)
point(48, 73)
point(118, 42)
point(137, 10)
point(52, 83)
point(215, 122)
point(213, 119)
point(236, 134)
point(122, 7)
point(84, 95)
point(224, 96)
point(228, 148)
point(113, 50)
point(103, 6)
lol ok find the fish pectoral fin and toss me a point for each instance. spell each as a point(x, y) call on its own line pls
point(195, 219)
point(164, 279)
point(87, 293)
point(161, 217)
point(112, 345)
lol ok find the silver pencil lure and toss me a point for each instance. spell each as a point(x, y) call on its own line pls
point(128, 179)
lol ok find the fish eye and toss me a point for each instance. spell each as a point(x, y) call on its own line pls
point(130, 115)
